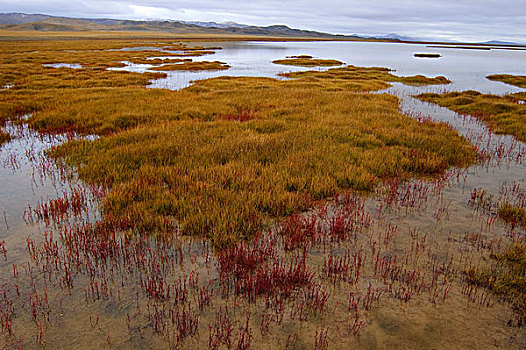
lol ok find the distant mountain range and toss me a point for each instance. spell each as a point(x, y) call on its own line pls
point(42, 22)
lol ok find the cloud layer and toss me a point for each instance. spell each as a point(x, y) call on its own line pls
point(465, 20)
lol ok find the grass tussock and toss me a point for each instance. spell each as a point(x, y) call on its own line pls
point(515, 216)
point(506, 278)
point(307, 61)
point(193, 66)
point(502, 114)
point(4, 137)
point(516, 80)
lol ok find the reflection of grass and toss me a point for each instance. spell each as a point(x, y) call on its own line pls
point(506, 278)
point(193, 66)
point(307, 61)
point(513, 215)
point(503, 114)
point(517, 80)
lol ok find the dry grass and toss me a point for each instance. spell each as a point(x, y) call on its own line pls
point(516, 80)
point(502, 114)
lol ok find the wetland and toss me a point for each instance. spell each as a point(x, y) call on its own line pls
point(166, 194)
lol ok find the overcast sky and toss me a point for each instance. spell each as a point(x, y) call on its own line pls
point(463, 20)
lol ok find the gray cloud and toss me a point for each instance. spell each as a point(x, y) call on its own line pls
point(448, 19)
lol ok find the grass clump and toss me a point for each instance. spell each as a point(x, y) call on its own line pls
point(4, 137)
point(516, 80)
point(307, 61)
point(502, 114)
point(506, 278)
point(515, 216)
point(193, 66)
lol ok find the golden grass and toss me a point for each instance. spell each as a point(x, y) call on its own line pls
point(502, 114)
point(516, 80)
point(307, 61)
point(227, 155)
point(190, 165)
point(352, 77)
point(192, 66)
point(513, 215)
point(22, 62)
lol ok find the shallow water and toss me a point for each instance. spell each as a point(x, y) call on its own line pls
point(467, 69)
point(27, 177)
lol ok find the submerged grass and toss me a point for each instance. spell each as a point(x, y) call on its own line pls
point(506, 278)
point(502, 114)
point(516, 80)
point(307, 61)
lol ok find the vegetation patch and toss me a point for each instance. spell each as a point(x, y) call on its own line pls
point(516, 80)
point(361, 78)
point(181, 165)
point(4, 137)
point(307, 61)
point(514, 215)
point(193, 66)
point(502, 114)
point(507, 278)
